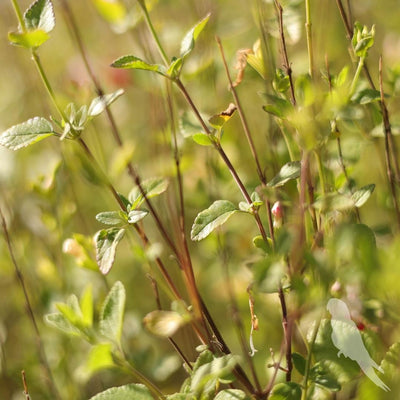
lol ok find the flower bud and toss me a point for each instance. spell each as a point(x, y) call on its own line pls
point(277, 212)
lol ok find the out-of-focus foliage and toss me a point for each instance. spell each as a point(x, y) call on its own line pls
point(54, 200)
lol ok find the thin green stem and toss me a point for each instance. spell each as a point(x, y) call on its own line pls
point(356, 76)
point(20, 17)
point(321, 172)
point(309, 357)
point(153, 32)
point(309, 38)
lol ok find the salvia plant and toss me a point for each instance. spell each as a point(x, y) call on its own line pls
point(207, 219)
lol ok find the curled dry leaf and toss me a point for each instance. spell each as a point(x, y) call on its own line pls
point(241, 62)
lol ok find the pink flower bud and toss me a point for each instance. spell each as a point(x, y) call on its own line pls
point(277, 212)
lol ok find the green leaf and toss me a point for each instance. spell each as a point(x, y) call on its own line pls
point(188, 126)
point(289, 171)
point(164, 323)
point(100, 357)
point(30, 39)
point(323, 377)
point(209, 219)
point(106, 244)
point(206, 377)
point(261, 244)
point(277, 106)
point(112, 313)
point(190, 38)
point(174, 68)
point(135, 216)
point(366, 96)
point(134, 391)
point(40, 15)
point(362, 195)
point(132, 62)
point(286, 391)
point(86, 306)
point(59, 321)
point(113, 11)
point(203, 139)
point(99, 104)
point(281, 82)
point(299, 362)
point(232, 394)
point(217, 121)
point(334, 202)
point(151, 187)
point(26, 133)
point(111, 217)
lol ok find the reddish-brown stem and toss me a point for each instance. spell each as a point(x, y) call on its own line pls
point(286, 63)
point(387, 131)
point(287, 329)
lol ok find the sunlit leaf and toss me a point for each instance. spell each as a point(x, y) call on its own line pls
point(86, 305)
point(106, 245)
point(232, 394)
point(211, 218)
point(203, 139)
point(59, 321)
point(289, 171)
point(299, 362)
point(100, 357)
point(112, 313)
point(135, 391)
point(26, 133)
point(113, 11)
point(132, 62)
point(40, 15)
point(286, 391)
point(99, 104)
point(190, 38)
point(135, 216)
point(111, 217)
point(30, 39)
point(151, 187)
point(164, 323)
point(362, 195)
point(218, 121)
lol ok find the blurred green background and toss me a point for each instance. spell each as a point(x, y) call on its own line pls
point(47, 193)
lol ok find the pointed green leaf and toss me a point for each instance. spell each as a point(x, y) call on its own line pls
point(112, 313)
point(111, 217)
point(26, 133)
point(132, 62)
point(362, 195)
point(188, 126)
point(232, 394)
point(277, 106)
point(299, 362)
point(289, 171)
point(209, 219)
point(202, 139)
point(366, 96)
point(135, 216)
point(174, 68)
point(164, 323)
point(71, 310)
point(59, 321)
point(106, 244)
point(30, 40)
point(152, 187)
point(135, 391)
point(286, 391)
point(40, 15)
point(99, 104)
point(190, 38)
point(100, 357)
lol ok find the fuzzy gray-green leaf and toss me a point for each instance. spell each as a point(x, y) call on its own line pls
point(106, 245)
point(40, 15)
point(99, 104)
point(135, 391)
point(289, 171)
point(209, 219)
point(362, 195)
point(112, 313)
point(111, 217)
point(26, 133)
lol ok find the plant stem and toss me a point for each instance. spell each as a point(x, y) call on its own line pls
point(356, 76)
point(389, 169)
point(309, 38)
point(287, 329)
point(286, 63)
point(29, 308)
point(309, 356)
point(242, 116)
point(153, 32)
point(20, 17)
